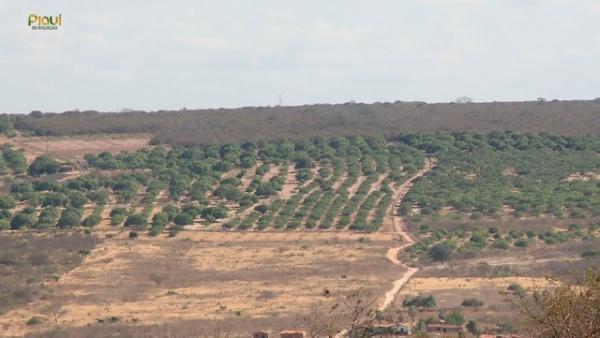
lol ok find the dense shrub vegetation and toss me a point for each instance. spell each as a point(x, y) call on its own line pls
point(269, 123)
point(489, 174)
point(459, 242)
point(341, 182)
point(235, 185)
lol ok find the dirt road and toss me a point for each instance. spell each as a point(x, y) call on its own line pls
point(399, 229)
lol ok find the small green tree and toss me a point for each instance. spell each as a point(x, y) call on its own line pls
point(455, 317)
point(472, 302)
point(92, 220)
point(77, 199)
point(160, 220)
point(43, 165)
point(22, 220)
point(441, 252)
point(70, 217)
point(48, 217)
point(472, 327)
point(7, 202)
point(419, 301)
point(136, 220)
point(184, 219)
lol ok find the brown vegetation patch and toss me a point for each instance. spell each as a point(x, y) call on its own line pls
point(268, 123)
point(31, 263)
point(74, 148)
point(199, 276)
point(500, 305)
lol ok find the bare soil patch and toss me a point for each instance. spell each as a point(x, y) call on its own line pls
point(211, 276)
point(73, 148)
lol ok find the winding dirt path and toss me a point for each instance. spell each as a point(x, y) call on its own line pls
point(400, 229)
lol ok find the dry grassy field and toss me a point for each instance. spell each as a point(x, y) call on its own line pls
point(73, 148)
point(499, 304)
point(206, 281)
point(273, 278)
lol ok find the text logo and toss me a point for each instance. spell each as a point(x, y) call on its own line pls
point(39, 22)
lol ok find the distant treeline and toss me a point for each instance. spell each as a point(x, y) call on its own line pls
point(188, 127)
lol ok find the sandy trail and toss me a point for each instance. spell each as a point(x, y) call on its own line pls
point(400, 229)
point(249, 175)
point(72, 174)
point(273, 171)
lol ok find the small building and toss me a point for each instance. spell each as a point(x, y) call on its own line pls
point(443, 328)
point(292, 334)
point(260, 334)
point(392, 330)
point(67, 168)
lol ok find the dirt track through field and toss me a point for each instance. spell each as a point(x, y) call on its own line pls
point(400, 229)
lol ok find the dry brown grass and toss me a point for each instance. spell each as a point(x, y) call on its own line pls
point(73, 148)
point(268, 123)
point(212, 276)
point(499, 304)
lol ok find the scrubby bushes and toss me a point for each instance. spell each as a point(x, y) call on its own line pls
point(136, 220)
point(472, 302)
point(118, 215)
point(441, 252)
point(15, 159)
point(43, 165)
point(94, 219)
point(69, 218)
point(48, 217)
point(470, 177)
point(419, 301)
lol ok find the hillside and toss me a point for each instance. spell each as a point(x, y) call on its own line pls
point(190, 239)
point(189, 127)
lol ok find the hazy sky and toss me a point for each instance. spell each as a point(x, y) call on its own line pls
point(151, 55)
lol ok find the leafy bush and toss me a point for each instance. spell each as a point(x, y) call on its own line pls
point(183, 219)
point(7, 202)
point(22, 220)
point(441, 252)
point(517, 289)
point(70, 217)
point(455, 317)
point(521, 243)
point(48, 217)
point(419, 301)
point(501, 244)
point(92, 220)
point(136, 220)
point(35, 320)
point(590, 254)
point(4, 224)
point(262, 208)
point(472, 302)
point(43, 165)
